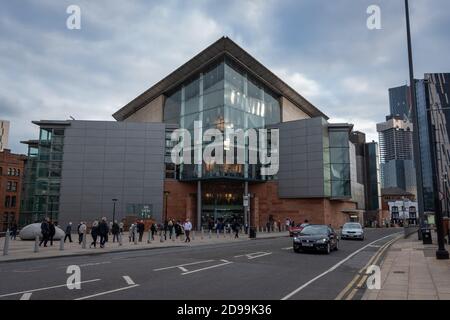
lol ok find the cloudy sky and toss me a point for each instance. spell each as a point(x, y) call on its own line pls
point(322, 48)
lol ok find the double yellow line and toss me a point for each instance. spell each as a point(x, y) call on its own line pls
point(361, 277)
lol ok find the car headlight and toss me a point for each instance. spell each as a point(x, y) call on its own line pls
point(324, 240)
point(296, 239)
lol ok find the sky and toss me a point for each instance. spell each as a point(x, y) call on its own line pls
point(322, 48)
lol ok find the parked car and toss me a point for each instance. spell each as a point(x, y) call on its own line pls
point(316, 237)
point(352, 230)
point(296, 229)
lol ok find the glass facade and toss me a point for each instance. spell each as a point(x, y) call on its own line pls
point(223, 96)
point(43, 177)
point(339, 163)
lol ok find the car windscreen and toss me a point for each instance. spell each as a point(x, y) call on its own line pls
point(314, 230)
point(352, 226)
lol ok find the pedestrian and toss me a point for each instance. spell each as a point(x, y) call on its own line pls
point(115, 230)
point(68, 232)
point(170, 227)
point(121, 227)
point(94, 234)
point(153, 229)
point(103, 231)
point(287, 223)
point(140, 229)
point(178, 229)
point(166, 228)
point(187, 230)
point(13, 232)
point(275, 226)
point(236, 227)
point(110, 227)
point(268, 226)
point(52, 231)
point(45, 230)
point(82, 230)
point(132, 232)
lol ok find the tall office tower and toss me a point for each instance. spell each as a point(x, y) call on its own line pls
point(396, 154)
point(399, 102)
point(4, 133)
point(437, 93)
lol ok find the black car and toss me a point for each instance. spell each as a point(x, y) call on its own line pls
point(316, 237)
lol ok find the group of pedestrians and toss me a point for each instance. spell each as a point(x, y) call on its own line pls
point(48, 230)
point(137, 228)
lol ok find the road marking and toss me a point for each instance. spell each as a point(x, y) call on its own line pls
point(47, 288)
point(210, 267)
point(94, 264)
point(288, 248)
point(107, 292)
point(362, 270)
point(26, 296)
point(183, 269)
point(333, 268)
point(254, 255)
point(182, 265)
point(128, 280)
point(375, 246)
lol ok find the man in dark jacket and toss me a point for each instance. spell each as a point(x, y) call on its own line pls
point(103, 230)
point(52, 231)
point(115, 230)
point(140, 229)
point(68, 232)
point(45, 230)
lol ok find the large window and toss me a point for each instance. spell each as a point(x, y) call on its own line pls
point(223, 96)
point(339, 163)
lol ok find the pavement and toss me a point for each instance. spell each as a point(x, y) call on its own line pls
point(264, 269)
point(410, 271)
point(24, 250)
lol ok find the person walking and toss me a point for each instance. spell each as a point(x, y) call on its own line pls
point(103, 231)
point(52, 231)
point(94, 234)
point(236, 227)
point(13, 232)
point(68, 232)
point(121, 227)
point(140, 229)
point(170, 227)
point(82, 229)
point(45, 230)
point(115, 230)
point(178, 229)
point(132, 232)
point(153, 229)
point(187, 230)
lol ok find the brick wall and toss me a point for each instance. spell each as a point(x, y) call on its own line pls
point(181, 202)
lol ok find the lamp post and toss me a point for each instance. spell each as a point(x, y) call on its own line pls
point(441, 253)
point(114, 210)
point(166, 195)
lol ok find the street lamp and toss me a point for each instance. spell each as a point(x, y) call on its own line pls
point(114, 210)
point(441, 253)
point(166, 195)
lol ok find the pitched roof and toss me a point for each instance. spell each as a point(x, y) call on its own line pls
point(222, 46)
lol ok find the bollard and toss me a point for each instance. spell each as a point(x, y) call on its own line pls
point(193, 235)
point(61, 244)
point(6, 244)
point(149, 240)
point(217, 233)
point(161, 237)
point(172, 235)
point(36, 244)
point(135, 236)
point(224, 233)
point(201, 235)
point(83, 245)
point(120, 239)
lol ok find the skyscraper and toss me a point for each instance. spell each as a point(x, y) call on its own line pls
point(399, 102)
point(396, 154)
point(4, 133)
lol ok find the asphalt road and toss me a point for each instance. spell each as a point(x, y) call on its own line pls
point(255, 270)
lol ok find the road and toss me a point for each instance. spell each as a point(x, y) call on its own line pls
point(256, 270)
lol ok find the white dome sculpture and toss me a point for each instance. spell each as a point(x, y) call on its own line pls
point(30, 231)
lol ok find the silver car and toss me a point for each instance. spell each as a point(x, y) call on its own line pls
point(352, 230)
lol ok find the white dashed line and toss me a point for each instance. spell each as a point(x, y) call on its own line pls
point(107, 292)
point(128, 280)
point(26, 296)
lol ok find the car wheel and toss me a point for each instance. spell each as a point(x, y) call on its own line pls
point(297, 250)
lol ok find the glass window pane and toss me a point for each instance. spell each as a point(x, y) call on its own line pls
point(339, 155)
point(339, 139)
point(172, 107)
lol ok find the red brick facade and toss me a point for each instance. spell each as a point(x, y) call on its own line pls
point(181, 204)
point(11, 172)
